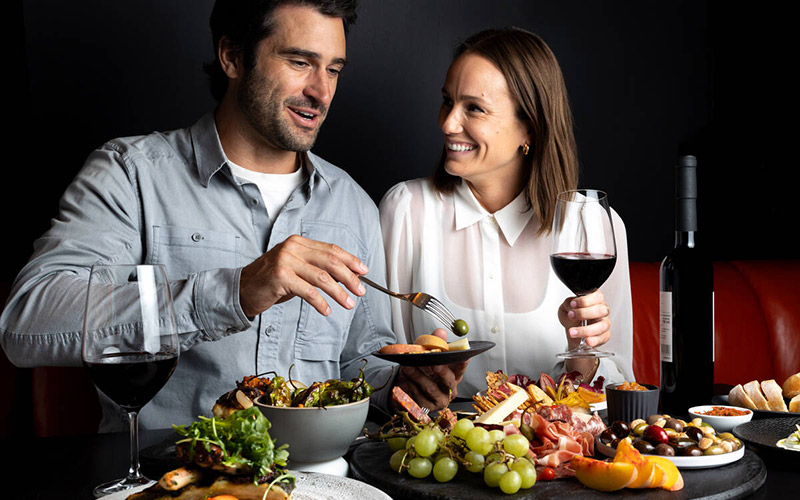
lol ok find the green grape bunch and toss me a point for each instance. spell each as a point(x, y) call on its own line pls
point(423, 450)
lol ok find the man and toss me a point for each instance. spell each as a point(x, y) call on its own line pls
point(263, 242)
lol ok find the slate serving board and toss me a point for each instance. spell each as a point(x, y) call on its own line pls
point(370, 463)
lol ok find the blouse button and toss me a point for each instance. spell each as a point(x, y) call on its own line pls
point(254, 202)
point(197, 237)
point(491, 276)
point(495, 329)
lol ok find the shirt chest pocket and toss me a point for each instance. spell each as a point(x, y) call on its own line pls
point(186, 250)
point(321, 338)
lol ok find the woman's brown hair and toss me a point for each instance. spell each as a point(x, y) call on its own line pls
point(535, 81)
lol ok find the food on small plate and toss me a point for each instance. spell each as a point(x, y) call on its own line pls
point(424, 344)
point(230, 456)
point(792, 442)
point(724, 411)
point(794, 404)
point(767, 395)
point(458, 345)
point(668, 436)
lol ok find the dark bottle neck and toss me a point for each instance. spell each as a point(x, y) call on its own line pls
point(685, 239)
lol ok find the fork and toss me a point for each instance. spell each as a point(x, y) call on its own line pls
point(427, 303)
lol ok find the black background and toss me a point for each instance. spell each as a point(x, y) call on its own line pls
point(647, 81)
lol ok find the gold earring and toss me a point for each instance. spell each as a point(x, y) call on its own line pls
point(525, 149)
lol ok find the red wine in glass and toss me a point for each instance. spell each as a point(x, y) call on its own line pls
point(584, 249)
point(583, 272)
point(131, 379)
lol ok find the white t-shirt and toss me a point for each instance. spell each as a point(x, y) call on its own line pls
point(493, 271)
point(275, 189)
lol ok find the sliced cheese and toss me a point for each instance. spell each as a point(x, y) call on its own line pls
point(498, 413)
point(458, 345)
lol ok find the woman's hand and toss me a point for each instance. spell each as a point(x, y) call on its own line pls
point(595, 311)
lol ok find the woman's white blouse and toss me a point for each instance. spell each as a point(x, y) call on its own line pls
point(493, 271)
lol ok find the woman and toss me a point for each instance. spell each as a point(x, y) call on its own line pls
point(477, 234)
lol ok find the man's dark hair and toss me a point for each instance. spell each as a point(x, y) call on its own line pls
point(246, 22)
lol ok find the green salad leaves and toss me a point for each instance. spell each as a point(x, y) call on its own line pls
point(244, 440)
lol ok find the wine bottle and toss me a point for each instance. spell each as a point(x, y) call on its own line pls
point(686, 306)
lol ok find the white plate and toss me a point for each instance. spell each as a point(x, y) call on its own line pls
point(704, 462)
point(310, 486)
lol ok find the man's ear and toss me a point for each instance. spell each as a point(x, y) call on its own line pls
point(229, 58)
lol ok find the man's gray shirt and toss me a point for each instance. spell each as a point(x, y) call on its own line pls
point(169, 198)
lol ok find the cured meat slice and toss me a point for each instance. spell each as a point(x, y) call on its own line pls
point(405, 401)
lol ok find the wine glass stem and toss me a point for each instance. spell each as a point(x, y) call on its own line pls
point(582, 345)
point(133, 423)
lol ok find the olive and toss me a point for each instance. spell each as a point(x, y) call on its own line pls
point(652, 419)
point(693, 433)
point(607, 436)
point(692, 451)
point(672, 434)
point(655, 434)
point(665, 450)
point(714, 450)
point(726, 435)
point(460, 327)
point(644, 446)
point(674, 423)
point(639, 429)
point(682, 443)
point(621, 428)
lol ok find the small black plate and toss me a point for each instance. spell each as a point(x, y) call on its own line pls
point(437, 358)
point(765, 434)
point(757, 414)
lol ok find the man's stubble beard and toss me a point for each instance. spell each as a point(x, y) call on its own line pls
point(259, 100)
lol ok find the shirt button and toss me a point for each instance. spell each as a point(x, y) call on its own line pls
point(495, 329)
point(254, 202)
point(197, 237)
point(491, 276)
point(268, 330)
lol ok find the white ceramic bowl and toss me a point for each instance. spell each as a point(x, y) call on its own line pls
point(316, 434)
point(720, 423)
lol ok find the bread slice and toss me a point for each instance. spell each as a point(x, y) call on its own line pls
point(774, 395)
point(794, 404)
point(737, 397)
point(753, 389)
point(791, 386)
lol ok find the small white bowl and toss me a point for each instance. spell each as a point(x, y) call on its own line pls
point(718, 422)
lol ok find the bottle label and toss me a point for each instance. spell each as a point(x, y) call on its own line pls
point(665, 331)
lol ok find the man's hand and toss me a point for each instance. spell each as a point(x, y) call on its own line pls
point(297, 268)
point(432, 386)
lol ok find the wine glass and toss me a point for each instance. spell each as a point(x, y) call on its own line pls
point(130, 345)
point(584, 249)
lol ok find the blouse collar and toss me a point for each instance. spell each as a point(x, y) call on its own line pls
point(511, 219)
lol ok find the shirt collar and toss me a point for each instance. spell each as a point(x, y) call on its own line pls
point(511, 219)
point(210, 156)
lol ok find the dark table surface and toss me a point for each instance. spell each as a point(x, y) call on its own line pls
point(69, 467)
